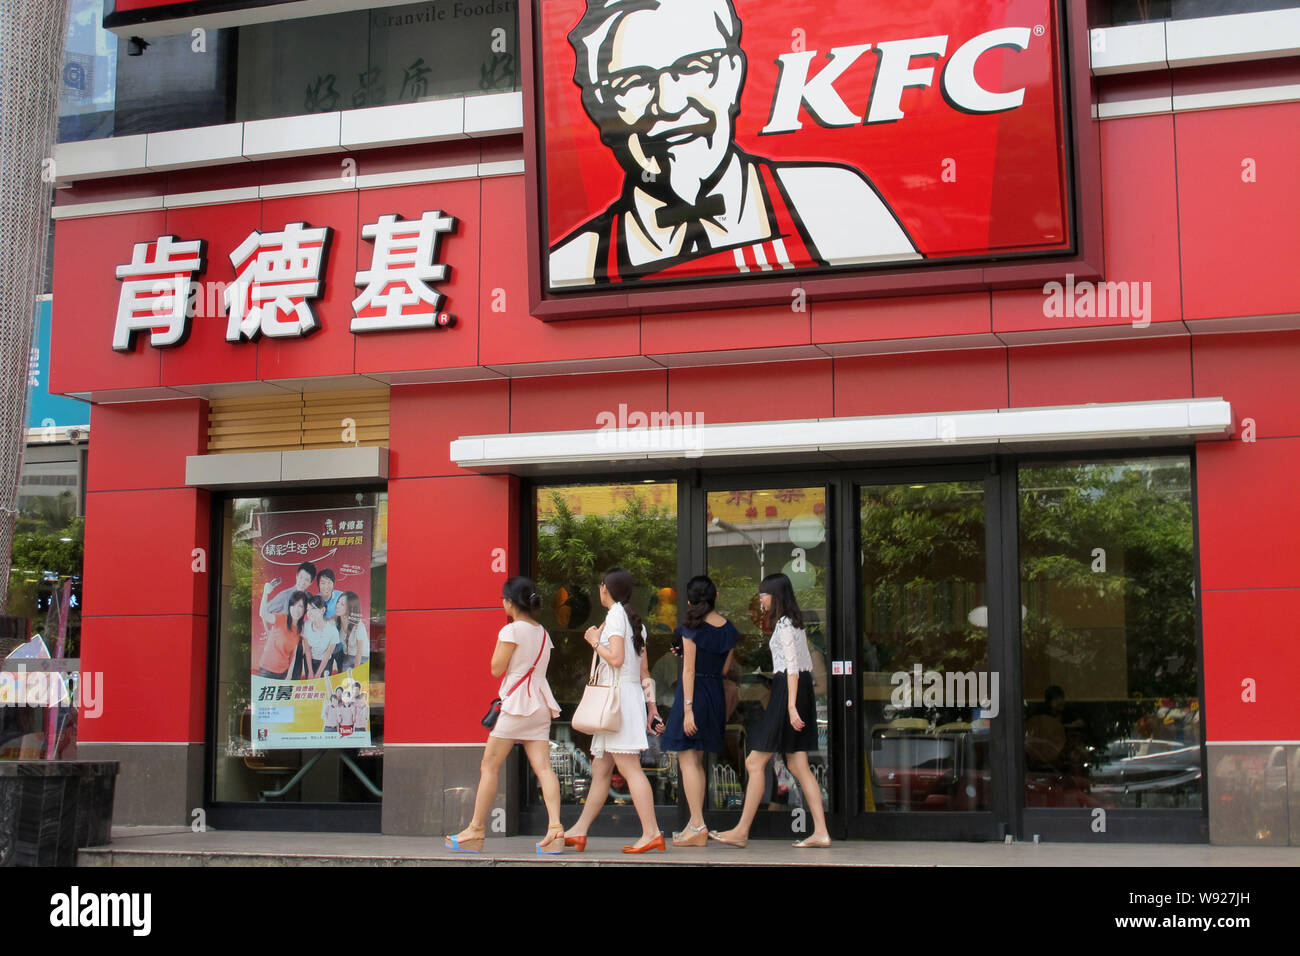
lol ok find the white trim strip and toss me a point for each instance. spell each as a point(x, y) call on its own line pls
point(1252, 743)
point(1236, 38)
point(308, 187)
point(407, 177)
point(498, 114)
point(1143, 107)
point(107, 207)
point(1221, 98)
point(1233, 38)
point(1206, 418)
point(210, 197)
point(505, 167)
point(1190, 102)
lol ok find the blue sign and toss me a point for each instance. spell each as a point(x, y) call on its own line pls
point(45, 410)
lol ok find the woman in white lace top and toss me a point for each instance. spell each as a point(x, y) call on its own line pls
point(789, 724)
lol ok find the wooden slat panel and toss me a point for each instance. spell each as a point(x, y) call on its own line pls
point(286, 422)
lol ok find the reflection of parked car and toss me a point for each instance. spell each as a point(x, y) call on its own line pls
point(914, 767)
point(1132, 766)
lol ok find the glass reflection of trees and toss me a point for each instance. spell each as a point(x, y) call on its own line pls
point(573, 550)
point(1106, 563)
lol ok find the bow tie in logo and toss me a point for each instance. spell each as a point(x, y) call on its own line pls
point(670, 216)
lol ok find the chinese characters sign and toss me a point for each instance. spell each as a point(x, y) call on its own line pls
point(310, 648)
point(277, 276)
point(710, 139)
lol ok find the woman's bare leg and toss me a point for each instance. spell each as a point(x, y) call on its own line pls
point(629, 765)
point(602, 768)
point(692, 771)
point(812, 794)
point(539, 756)
point(755, 768)
point(494, 755)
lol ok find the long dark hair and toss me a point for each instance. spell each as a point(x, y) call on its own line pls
point(294, 598)
point(619, 583)
point(349, 624)
point(701, 595)
point(783, 602)
point(522, 593)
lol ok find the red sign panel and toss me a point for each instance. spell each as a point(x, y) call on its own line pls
point(741, 139)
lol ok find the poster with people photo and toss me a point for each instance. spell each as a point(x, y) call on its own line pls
point(310, 648)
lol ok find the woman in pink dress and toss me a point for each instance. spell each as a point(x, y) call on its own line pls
point(527, 705)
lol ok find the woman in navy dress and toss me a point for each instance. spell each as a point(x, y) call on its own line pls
point(699, 715)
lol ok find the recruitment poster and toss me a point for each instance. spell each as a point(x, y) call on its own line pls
point(310, 643)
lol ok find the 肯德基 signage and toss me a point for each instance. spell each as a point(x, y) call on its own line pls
point(278, 274)
point(686, 140)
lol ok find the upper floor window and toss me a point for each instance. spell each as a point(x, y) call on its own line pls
point(380, 57)
point(1139, 11)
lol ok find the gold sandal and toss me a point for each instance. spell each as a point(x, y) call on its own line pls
point(554, 834)
point(469, 844)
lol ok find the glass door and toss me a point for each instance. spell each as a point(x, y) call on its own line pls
point(750, 532)
point(924, 674)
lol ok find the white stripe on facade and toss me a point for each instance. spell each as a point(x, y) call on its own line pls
point(1190, 418)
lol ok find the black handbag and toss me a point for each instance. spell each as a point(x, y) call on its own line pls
point(494, 709)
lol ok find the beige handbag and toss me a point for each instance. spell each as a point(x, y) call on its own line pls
point(600, 710)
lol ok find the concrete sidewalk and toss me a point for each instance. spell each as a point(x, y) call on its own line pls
point(179, 846)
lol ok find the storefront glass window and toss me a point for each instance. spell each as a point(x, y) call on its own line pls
point(1111, 668)
point(928, 693)
point(300, 669)
point(750, 534)
point(581, 532)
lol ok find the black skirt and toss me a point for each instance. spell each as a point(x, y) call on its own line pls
point(774, 733)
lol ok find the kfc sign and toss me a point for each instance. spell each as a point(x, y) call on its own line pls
point(687, 140)
point(278, 274)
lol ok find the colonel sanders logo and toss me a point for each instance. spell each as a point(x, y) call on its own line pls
point(661, 80)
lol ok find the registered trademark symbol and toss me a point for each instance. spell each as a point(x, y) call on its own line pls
point(1039, 30)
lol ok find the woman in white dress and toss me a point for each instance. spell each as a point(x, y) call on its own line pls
point(620, 645)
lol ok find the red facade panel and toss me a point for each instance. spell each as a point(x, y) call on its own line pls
point(424, 419)
point(1238, 189)
point(169, 430)
point(1137, 370)
point(86, 292)
point(750, 328)
point(1249, 641)
point(455, 542)
point(1248, 513)
point(754, 393)
point(329, 350)
point(207, 356)
point(509, 334)
point(456, 346)
point(154, 673)
point(573, 402)
point(867, 320)
point(140, 552)
point(918, 382)
point(437, 681)
point(1140, 198)
point(1257, 374)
